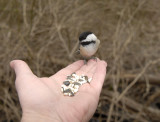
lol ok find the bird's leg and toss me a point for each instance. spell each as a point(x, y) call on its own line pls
point(85, 61)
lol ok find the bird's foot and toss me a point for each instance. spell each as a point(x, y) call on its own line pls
point(94, 58)
point(85, 61)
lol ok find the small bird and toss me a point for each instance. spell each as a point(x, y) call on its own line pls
point(88, 45)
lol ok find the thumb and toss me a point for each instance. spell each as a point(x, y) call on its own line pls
point(20, 68)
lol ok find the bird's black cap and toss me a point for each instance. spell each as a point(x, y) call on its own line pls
point(84, 35)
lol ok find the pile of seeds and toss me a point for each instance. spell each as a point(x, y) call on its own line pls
point(72, 84)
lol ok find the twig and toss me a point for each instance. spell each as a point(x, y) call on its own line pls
point(153, 79)
point(136, 79)
point(25, 13)
point(135, 105)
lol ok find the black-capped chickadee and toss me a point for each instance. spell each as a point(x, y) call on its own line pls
point(88, 45)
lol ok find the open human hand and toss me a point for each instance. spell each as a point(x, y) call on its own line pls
point(41, 99)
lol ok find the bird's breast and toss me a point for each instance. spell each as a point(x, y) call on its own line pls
point(88, 51)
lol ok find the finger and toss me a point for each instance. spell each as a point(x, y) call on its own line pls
point(91, 72)
point(86, 87)
point(20, 68)
point(61, 75)
point(99, 76)
point(87, 68)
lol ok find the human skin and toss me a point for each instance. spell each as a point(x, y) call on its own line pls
point(41, 99)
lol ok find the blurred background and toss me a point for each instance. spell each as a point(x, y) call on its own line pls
point(44, 33)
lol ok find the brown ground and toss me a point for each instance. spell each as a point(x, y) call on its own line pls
point(45, 34)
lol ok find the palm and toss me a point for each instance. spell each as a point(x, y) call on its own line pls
point(44, 94)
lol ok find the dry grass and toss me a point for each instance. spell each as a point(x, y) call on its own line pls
point(45, 33)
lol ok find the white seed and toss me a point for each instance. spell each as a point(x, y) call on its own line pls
point(76, 86)
point(71, 85)
point(74, 75)
point(74, 79)
point(70, 94)
point(77, 77)
point(72, 89)
point(62, 89)
point(64, 86)
point(82, 81)
point(89, 80)
point(66, 94)
point(75, 90)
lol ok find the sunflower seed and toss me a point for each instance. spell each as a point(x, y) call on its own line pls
point(66, 83)
point(86, 78)
point(76, 83)
point(67, 91)
point(69, 77)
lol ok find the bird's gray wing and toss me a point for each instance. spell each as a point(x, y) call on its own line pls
point(78, 51)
